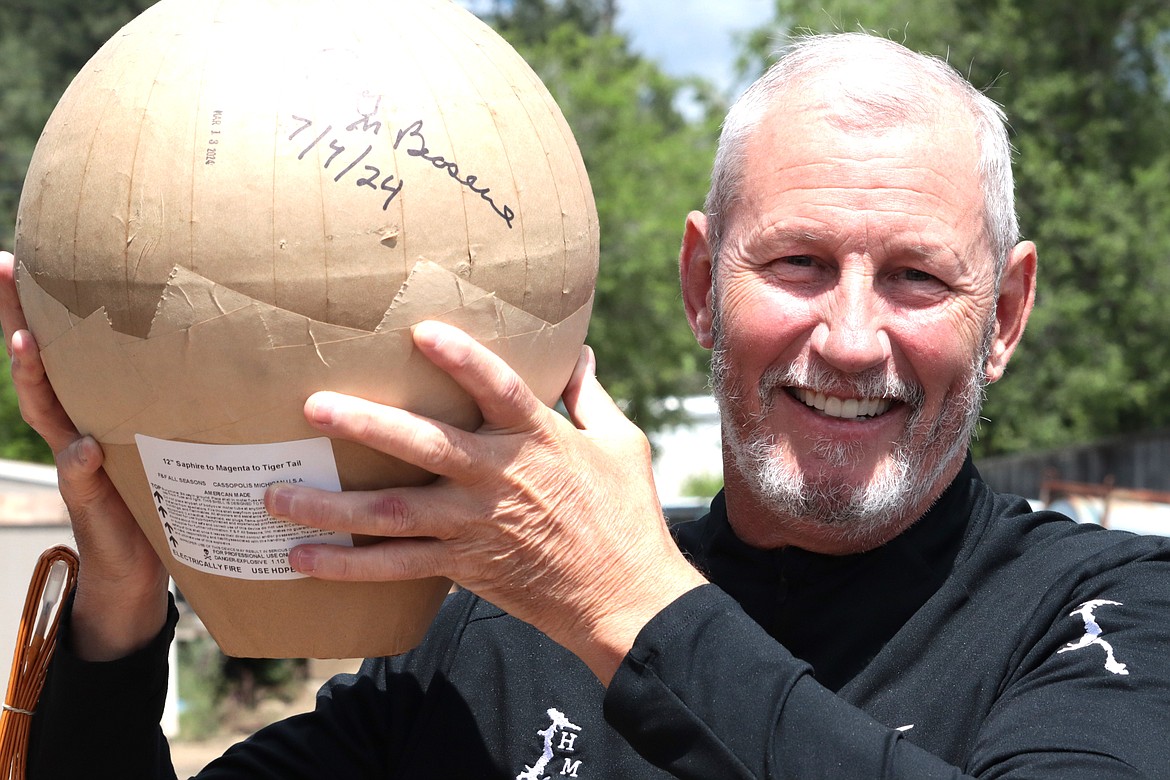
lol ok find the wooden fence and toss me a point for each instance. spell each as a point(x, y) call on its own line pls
point(1137, 461)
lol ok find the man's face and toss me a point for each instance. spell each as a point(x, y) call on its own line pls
point(854, 306)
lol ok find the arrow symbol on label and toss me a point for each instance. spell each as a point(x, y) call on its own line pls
point(173, 542)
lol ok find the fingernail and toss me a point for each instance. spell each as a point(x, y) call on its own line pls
point(279, 501)
point(320, 409)
point(426, 334)
point(83, 452)
point(303, 559)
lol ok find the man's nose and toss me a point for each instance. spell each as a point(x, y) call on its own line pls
point(851, 335)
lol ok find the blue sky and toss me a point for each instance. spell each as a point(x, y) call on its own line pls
point(691, 37)
point(687, 37)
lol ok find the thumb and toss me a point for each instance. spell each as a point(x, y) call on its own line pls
point(80, 476)
point(588, 405)
point(79, 471)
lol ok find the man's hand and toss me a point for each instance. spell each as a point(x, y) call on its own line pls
point(121, 586)
point(556, 522)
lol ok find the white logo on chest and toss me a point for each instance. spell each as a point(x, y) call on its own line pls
point(563, 733)
point(1093, 632)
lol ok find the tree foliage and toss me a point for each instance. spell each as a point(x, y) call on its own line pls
point(1087, 95)
point(649, 164)
point(43, 44)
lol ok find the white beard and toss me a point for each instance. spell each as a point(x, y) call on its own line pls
point(844, 512)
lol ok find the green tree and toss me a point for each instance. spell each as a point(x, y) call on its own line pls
point(17, 440)
point(43, 44)
point(648, 141)
point(1087, 97)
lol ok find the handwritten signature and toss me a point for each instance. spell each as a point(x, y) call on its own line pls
point(418, 148)
point(411, 140)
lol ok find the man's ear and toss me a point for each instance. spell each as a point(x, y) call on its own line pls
point(695, 271)
point(1017, 292)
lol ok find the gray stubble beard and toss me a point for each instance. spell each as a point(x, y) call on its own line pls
point(839, 511)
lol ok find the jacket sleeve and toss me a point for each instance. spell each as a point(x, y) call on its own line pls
point(103, 718)
point(705, 692)
point(93, 715)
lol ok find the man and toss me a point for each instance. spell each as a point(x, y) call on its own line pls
point(876, 610)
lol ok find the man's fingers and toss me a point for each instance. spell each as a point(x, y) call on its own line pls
point(401, 512)
point(11, 315)
point(499, 392)
point(434, 446)
point(38, 403)
point(392, 560)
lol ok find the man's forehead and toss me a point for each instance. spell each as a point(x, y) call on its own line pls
point(871, 115)
point(809, 149)
point(804, 172)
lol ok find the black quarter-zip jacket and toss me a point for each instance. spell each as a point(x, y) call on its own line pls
point(986, 641)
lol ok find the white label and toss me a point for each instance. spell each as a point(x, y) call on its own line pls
point(210, 499)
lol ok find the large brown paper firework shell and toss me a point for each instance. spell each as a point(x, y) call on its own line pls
point(239, 202)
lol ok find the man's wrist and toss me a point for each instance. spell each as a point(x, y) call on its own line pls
point(106, 627)
point(609, 639)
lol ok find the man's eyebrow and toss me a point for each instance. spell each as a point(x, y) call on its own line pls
point(929, 252)
point(923, 252)
point(776, 235)
point(781, 235)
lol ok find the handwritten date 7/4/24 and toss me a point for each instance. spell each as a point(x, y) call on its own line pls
point(372, 177)
point(339, 153)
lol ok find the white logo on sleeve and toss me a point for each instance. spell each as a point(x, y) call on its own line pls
point(560, 736)
point(1093, 632)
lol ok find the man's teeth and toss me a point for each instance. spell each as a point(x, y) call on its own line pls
point(847, 408)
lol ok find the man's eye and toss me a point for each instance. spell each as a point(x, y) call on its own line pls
point(801, 261)
point(915, 275)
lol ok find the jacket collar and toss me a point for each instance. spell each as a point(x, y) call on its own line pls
point(836, 611)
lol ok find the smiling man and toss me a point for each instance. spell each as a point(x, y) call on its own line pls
point(860, 294)
point(857, 604)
